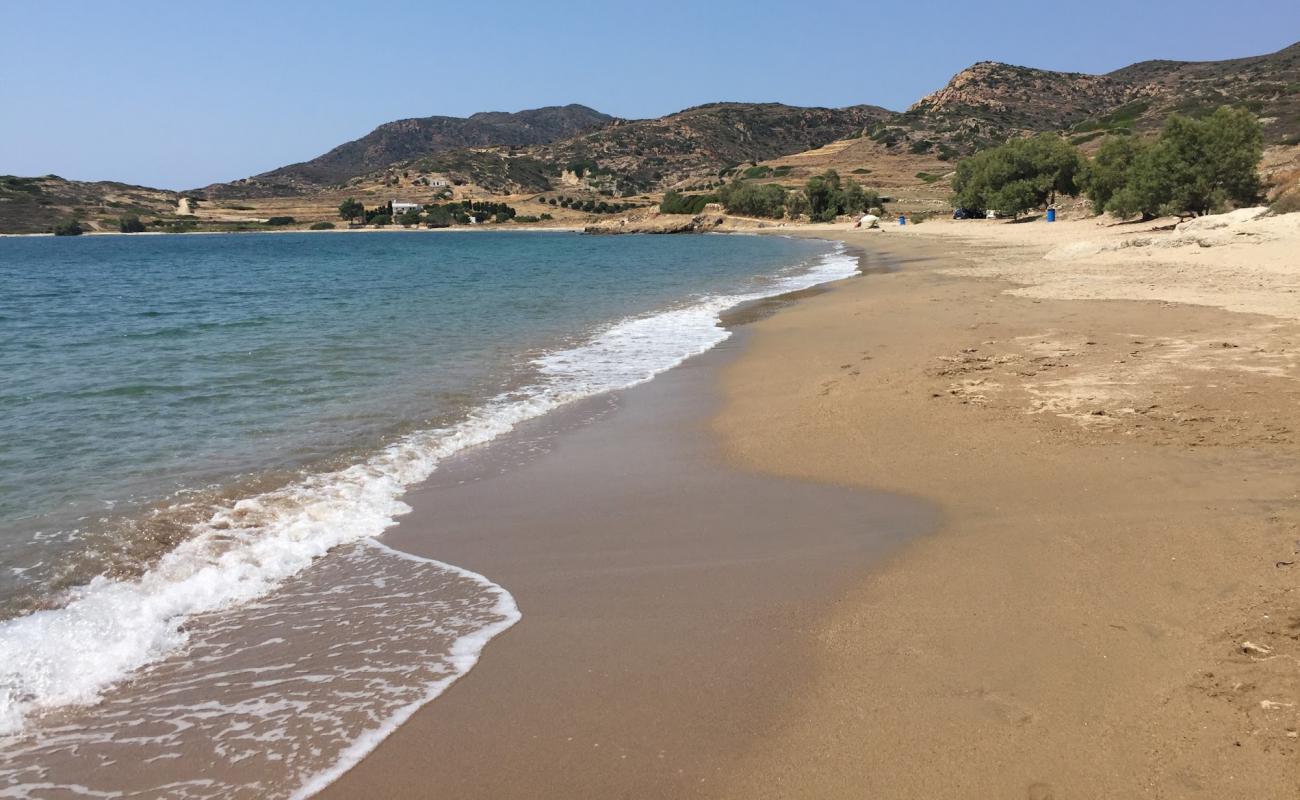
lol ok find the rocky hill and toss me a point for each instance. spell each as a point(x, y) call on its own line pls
point(701, 142)
point(407, 139)
point(995, 99)
point(615, 155)
point(1268, 85)
point(989, 102)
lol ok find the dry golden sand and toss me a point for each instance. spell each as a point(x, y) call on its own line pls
point(1110, 609)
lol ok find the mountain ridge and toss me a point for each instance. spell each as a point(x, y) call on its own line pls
point(575, 149)
point(982, 105)
point(413, 137)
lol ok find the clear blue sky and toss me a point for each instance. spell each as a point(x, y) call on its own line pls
point(181, 94)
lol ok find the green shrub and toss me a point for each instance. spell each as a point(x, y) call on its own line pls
point(1085, 138)
point(322, 226)
point(69, 228)
point(757, 171)
point(281, 221)
point(381, 220)
point(675, 202)
point(409, 217)
point(438, 217)
point(765, 200)
point(857, 200)
point(928, 177)
point(796, 204)
point(828, 197)
point(130, 224)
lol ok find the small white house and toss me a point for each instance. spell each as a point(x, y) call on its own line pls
point(438, 183)
point(401, 208)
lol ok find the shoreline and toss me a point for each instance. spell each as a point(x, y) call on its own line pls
point(656, 637)
point(1102, 610)
point(823, 268)
point(1074, 581)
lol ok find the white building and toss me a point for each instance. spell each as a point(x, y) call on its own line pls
point(401, 208)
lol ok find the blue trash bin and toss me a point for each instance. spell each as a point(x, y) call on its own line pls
point(902, 220)
point(1051, 215)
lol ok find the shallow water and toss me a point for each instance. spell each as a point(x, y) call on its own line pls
point(196, 429)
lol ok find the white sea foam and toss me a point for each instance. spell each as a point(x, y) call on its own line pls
point(109, 628)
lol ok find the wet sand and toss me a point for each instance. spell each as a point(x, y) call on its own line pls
point(668, 601)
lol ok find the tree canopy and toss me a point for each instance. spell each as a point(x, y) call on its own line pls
point(1021, 175)
point(827, 197)
point(754, 200)
point(350, 209)
point(1107, 172)
point(1193, 167)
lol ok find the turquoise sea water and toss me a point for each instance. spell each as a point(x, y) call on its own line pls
point(202, 435)
point(134, 369)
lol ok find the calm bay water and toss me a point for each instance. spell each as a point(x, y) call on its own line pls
point(188, 423)
point(137, 368)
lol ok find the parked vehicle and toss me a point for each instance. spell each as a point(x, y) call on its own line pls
point(967, 213)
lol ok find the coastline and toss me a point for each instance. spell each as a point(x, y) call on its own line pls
point(1105, 609)
point(666, 599)
point(698, 319)
point(1108, 609)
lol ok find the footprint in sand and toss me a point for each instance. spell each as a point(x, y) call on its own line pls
point(1041, 791)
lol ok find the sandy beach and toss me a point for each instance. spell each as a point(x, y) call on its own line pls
point(1077, 576)
point(807, 434)
point(1109, 609)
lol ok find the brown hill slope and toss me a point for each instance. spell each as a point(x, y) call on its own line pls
point(407, 139)
point(635, 156)
point(1268, 85)
point(35, 205)
point(700, 142)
